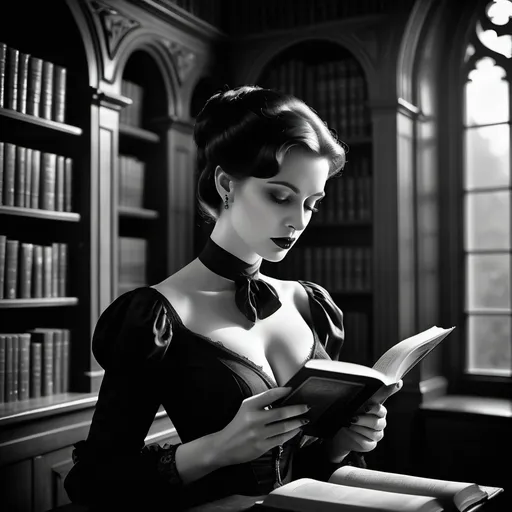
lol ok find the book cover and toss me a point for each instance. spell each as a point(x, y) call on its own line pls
point(336, 390)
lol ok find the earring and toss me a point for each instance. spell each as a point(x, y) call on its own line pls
point(226, 205)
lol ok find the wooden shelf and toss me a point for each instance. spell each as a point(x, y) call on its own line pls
point(39, 121)
point(138, 133)
point(40, 214)
point(36, 408)
point(138, 213)
point(38, 303)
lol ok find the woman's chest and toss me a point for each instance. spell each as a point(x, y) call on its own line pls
point(278, 344)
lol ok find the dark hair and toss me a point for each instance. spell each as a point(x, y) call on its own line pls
point(248, 130)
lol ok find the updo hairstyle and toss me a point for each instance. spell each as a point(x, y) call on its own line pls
point(248, 130)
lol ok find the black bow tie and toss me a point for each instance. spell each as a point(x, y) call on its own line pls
point(255, 298)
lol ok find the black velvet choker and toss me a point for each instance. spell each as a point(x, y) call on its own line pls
point(255, 298)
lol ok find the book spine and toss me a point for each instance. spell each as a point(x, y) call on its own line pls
point(15, 366)
point(3, 248)
point(34, 86)
point(2, 150)
point(9, 383)
point(59, 93)
point(59, 184)
point(11, 268)
point(63, 269)
point(66, 334)
point(35, 369)
point(2, 367)
point(37, 272)
point(47, 90)
point(24, 366)
point(9, 173)
point(28, 176)
point(55, 269)
point(68, 187)
point(35, 171)
point(11, 86)
point(22, 82)
point(48, 178)
point(20, 172)
point(25, 270)
point(47, 271)
point(3, 58)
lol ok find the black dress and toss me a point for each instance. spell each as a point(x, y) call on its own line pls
point(201, 384)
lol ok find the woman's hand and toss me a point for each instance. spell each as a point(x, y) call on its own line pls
point(257, 428)
point(366, 429)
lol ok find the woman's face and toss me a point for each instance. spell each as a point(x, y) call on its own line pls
point(265, 211)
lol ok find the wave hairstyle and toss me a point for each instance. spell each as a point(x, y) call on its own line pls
point(248, 130)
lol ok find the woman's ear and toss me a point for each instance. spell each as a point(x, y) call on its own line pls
point(223, 182)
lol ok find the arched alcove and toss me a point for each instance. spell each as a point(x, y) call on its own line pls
point(336, 249)
point(143, 174)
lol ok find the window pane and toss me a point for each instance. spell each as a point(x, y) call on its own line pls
point(489, 348)
point(487, 220)
point(487, 156)
point(487, 94)
point(488, 281)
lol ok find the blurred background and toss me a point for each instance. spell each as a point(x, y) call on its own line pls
point(97, 196)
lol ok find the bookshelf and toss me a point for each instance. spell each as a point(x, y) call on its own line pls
point(142, 182)
point(44, 212)
point(336, 249)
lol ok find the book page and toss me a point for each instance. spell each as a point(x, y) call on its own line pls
point(308, 495)
point(399, 359)
point(462, 494)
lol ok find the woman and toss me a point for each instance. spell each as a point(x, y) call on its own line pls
point(215, 342)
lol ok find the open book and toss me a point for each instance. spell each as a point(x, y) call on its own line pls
point(336, 390)
point(356, 489)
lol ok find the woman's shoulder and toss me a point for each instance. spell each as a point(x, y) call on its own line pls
point(135, 325)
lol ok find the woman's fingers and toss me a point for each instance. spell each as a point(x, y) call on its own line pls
point(370, 421)
point(283, 427)
point(366, 432)
point(360, 442)
point(266, 398)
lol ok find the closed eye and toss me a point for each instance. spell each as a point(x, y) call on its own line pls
point(279, 200)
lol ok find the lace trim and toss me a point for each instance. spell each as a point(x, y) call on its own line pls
point(166, 463)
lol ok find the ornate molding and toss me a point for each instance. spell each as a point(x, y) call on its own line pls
point(183, 57)
point(109, 99)
point(115, 25)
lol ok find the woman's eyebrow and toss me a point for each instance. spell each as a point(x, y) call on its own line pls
point(294, 188)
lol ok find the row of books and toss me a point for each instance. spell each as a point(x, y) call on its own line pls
point(30, 270)
point(131, 181)
point(34, 364)
point(133, 260)
point(349, 197)
point(132, 114)
point(31, 85)
point(337, 268)
point(30, 178)
point(336, 89)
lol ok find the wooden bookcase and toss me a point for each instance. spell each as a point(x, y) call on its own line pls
point(335, 251)
point(46, 129)
point(142, 177)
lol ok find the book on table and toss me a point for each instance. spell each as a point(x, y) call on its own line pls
point(365, 490)
point(336, 390)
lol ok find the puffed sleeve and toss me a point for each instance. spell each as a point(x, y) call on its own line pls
point(327, 318)
point(327, 321)
point(112, 467)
